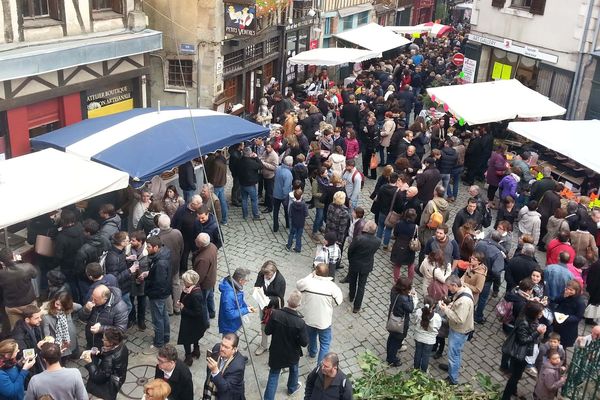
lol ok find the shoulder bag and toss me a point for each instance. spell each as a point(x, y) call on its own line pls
point(415, 243)
point(394, 324)
point(436, 289)
point(392, 217)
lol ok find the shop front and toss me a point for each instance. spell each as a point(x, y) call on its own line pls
point(297, 40)
point(422, 11)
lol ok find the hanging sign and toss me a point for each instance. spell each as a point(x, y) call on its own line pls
point(240, 19)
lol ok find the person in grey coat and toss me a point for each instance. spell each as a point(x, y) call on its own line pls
point(172, 239)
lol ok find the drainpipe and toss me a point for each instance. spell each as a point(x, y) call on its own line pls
point(573, 99)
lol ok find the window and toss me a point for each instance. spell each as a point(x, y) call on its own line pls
point(521, 3)
point(326, 42)
point(348, 22)
point(533, 6)
point(180, 73)
point(363, 18)
point(108, 5)
point(327, 26)
point(41, 9)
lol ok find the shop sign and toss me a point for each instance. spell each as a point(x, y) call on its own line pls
point(109, 100)
point(469, 67)
point(299, 23)
point(240, 19)
point(314, 44)
point(508, 45)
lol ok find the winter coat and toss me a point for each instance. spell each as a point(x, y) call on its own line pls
point(448, 161)
point(137, 284)
point(338, 220)
point(556, 277)
point(170, 206)
point(554, 226)
point(388, 129)
point(462, 217)
point(12, 383)
point(518, 300)
point(249, 171)
point(429, 271)
point(283, 182)
point(116, 264)
point(319, 295)
point(15, 284)
point(548, 382)
point(580, 241)
point(530, 223)
point(112, 313)
point(146, 222)
point(48, 326)
point(442, 206)
point(184, 221)
point(340, 387)
point(548, 205)
point(361, 253)
point(505, 215)
point(298, 213)
point(401, 254)
point(401, 305)
point(110, 226)
point(494, 257)
point(474, 279)
point(593, 283)
point(28, 338)
point(210, 227)
point(524, 337)
point(426, 183)
point(519, 267)
point(496, 168)
point(574, 307)
point(460, 312)
point(230, 382)
point(352, 148)
point(288, 336)
point(194, 317)
point(66, 244)
point(158, 281)
point(182, 385)
point(276, 290)
point(108, 372)
point(230, 318)
point(204, 262)
point(90, 252)
point(338, 163)
point(187, 176)
point(385, 197)
point(555, 247)
point(216, 171)
point(540, 187)
point(172, 239)
point(508, 186)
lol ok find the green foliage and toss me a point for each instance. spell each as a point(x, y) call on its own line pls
point(377, 383)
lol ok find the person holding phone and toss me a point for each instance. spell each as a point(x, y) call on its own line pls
point(12, 371)
point(225, 370)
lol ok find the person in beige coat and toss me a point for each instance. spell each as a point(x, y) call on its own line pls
point(474, 277)
point(386, 132)
point(581, 240)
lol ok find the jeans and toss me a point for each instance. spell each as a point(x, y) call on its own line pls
point(517, 367)
point(209, 299)
point(269, 183)
point(160, 320)
point(394, 342)
point(295, 233)
point(483, 298)
point(277, 203)
point(382, 230)
point(220, 192)
point(422, 354)
point(138, 314)
point(456, 342)
point(318, 220)
point(127, 300)
point(382, 151)
point(453, 190)
point(249, 191)
point(187, 195)
point(445, 181)
point(292, 384)
point(324, 342)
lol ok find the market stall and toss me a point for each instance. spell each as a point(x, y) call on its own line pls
point(144, 142)
point(436, 29)
point(333, 56)
point(373, 37)
point(409, 29)
point(50, 179)
point(485, 102)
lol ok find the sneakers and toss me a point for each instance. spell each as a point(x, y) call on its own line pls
point(297, 389)
point(260, 350)
point(532, 371)
point(404, 347)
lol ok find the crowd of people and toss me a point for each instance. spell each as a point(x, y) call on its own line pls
point(157, 249)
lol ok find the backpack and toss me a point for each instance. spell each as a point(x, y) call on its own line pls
point(435, 219)
point(362, 178)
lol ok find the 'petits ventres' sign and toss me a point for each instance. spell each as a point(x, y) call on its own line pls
point(240, 19)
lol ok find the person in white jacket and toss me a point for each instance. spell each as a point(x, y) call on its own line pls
point(319, 295)
point(433, 265)
point(530, 221)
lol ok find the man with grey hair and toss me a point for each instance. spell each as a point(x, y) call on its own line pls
point(326, 381)
point(204, 262)
point(184, 220)
point(232, 306)
point(540, 187)
point(282, 187)
point(494, 261)
point(172, 240)
point(288, 337)
point(520, 266)
point(270, 161)
point(460, 320)
point(361, 257)
point(211, 200)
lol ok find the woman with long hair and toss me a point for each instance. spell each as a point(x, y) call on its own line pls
point(402, 303)
point(401, 254)
point(171, 201)
point(427, 325)
point(12, 372)
point(434, 267)
point(58, 323)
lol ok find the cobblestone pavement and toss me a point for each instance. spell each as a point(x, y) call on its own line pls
point(249, 244)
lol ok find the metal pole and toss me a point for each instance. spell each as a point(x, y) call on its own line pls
point(6, 238)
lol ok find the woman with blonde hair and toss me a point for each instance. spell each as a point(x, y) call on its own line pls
point(273, 284)
point(12, 375)
point(156, 389)
point(194, 316)
point(338, 218)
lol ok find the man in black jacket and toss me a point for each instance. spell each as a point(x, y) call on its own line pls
point(351, 113)
point(105, 309)
point(170, 368)
point(249, 172)
point(67, 242)
point(361, 256)
point(447, 163)
point(28, 335)
point(184, 221)
point(91, 251)
point(468, 214)
point(288, 336)
point(158, 289)
point(187, 180)
point(520, 266)
point(235, 156)
point(116, 265)
point(225, 370)
point(339, 387)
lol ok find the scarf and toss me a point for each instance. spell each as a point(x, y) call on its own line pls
point(62, 328)
point(210, 390)
point(7, 363)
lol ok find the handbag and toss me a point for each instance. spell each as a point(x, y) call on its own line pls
point(436, 289)
point(414, 244)
point(44, 246)
point(394, 324)
point(374, 163)
point(504, 311)
point(392, 218)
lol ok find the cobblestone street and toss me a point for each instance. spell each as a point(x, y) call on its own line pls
point(249, 244)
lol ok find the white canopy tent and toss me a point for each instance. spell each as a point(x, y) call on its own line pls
point(50, 179)
point(332, 56)
point(578, 140)
point(373, 37)
point(464, 6)
point(480, 103)
point(409, 29)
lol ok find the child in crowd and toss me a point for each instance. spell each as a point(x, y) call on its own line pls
point(427, 325)
point(551, 377)
point(328, 253)
point(553, 343)
point(298, 213)
point(356, 224)
point(300, 170)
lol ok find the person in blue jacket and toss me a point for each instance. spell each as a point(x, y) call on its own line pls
point(232, 288)
point(12, 372)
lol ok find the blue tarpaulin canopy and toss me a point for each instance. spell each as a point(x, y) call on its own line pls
point(144, 142)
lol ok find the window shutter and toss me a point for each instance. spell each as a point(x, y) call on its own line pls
point(117, 6)
point(54, 9)
point(498, 3)
point(537, 7)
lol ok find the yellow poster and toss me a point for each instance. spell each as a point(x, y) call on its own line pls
point(111, 109)
point(506, 71)
point(497, 72)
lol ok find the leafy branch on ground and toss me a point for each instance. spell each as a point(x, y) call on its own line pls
point(377, 383)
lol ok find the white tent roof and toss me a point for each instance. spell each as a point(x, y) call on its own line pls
point(373, 37)
point(578, 140)
point(465, 6)
point(480, 103)
point(50, 179)
point(332, 56)
point(409, 29)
